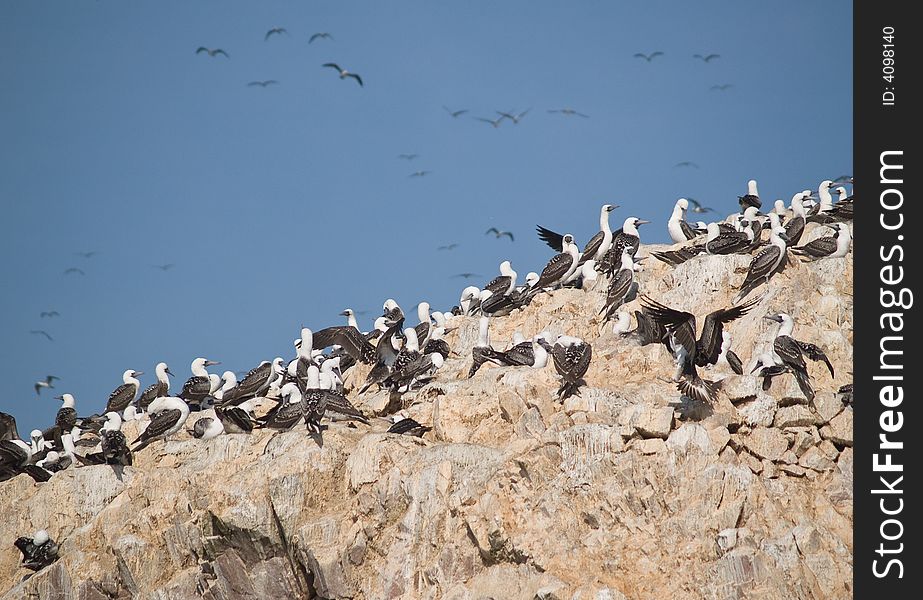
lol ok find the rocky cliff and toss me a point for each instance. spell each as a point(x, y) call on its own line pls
point(627, 491)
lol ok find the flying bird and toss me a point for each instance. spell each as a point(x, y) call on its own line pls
point(320, 36)
point(211, 51)
point(686, 163)
point(455, 113)
point(87, 254)
point(721, 88)
point(165, 267)
point(448, 247)
point(407, 156)
point(467, 275)
point(515, 118)
point(698, 208)
point(498, 234)
point(569, 112)
point(48, 382)
point(49, 313)
point(648, 57)
point(343, 72)
point(420, 173)
point(42, 332)
point(275, 30)
point(707, 58)
point(74, 270)
point(263, 83)
point(495, 122)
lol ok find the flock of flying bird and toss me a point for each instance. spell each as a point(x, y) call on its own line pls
point(398, 358)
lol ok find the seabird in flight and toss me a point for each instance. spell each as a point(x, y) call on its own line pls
point(690, 352)
point(211, 51)
point(320, 36)
point(495, 122)
point(455, 113)
point(261, 83)
point(498, 234)
point(407, 156)
point(686, 163)
point(87, 254)
point(569, 112)
point(38, 551)
point(721, 87)
point(706, 58)
point(343, 72)
point(697, 207)
point(830, 246)
point(168, 415)
point(125, 394)
point(45, 383)
point(648, 57)
point(452, 246)
point(571, 357)
point(70, 270)
point(276, 30)
point(199, 386)
point(751, 198)
point(512, 116)
point(765, 263)
point(54, 313)
point(157, 389)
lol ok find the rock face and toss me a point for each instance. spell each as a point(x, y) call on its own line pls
point(627, 491)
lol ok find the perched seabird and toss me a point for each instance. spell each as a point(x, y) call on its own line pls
point(48, 382)
point(426, 323)
point(66, 418)
point(238, 418)
point(690, 352)
point(751, 198)
point(789, 352)
point(764, 263)
point(15, 458)
point(470, 300)
point(408, 426)
point(286, 413)
point(125, 394)
point(831, 246)
point(211, 51)
point(168, 415)
point(206, 428)
point(255, 383)
point(620, 285)
point(350, 339)
point(680, 231)
point(598, 245)
point(498, 233)
point(733, 242)
point(416, 373)
point(678, 257)
point(560, 266)
point(343, 72)
point(436, 343)
point(314, 402)
point(38, 551)
point(818, 213)
point(386, 354)
point(114, 445)
point(323, 35)
point(276, 31)
point(392, 311)
point(571, 358)
point(199, 386)
point(794, 227)
point(228, 382)
point(648, 57)
point(843, 209)
point(158, 389)
point(504, 283)
point(482, 350)
point(728, 355)
point(8, 429)
point(622, 324)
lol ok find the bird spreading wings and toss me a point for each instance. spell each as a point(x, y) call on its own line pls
point(274, 31)
point(264, 83)
point(686, 163)
point(467, 275)
point(448, 247)
point(494, 122)
point(42, 332)
point(569, 112)
point(648, 57)
point(48, 382)
point(212, 51)
point(498, 234)
point(697, 207)
point(343, 72)
point(455, 113)
point(49, 313)
point(707, 58)
point(74, 270)
point(320, 36)
point(722, 87)
point(512, 116)
point(420, 173)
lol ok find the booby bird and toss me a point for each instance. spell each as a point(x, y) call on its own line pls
point(261, 83)
point(238, 418)
point(733, 242)
point(8, 429)
point(678, 257)
point(54, 461)
point(426, 323)
point(680, 231)
point(764, 263)
point(843, 209)
point(66, 418)
point(158, 389)
point(275, 30)
point(42, 332)
point(706, 58)
point(526, 353)
point(255, 383)
point(436, 343)
point(571, 357)
point(48, 382)
point(560, 266)
point(697, 206)
point(570, 112)
point(648, 57)
point(15, 457)
point(831, 246)
point(512, 115)
point(228, 381)
point(417, 372)
point(789, 352)
point(386, 353)
point(314, 401)
point(751, 198)
point(794, 227)
point(481, 351)
point(728, 355)
point(407, 354)
point(818, 212)
point(199, 386)
point(38, 551)
point(598, 245)
point(408, 426)
point(392, 311)
point(504, 283)
point(620, 285)
point(213, 52)
point(350, 339)
point(622, 324)
point(124, 395)
point(499, 233)
point(115, 451)
point(168, 415)
point(323, 35)
point(455, 113)
point(343, 72)
point(690, 352)
point(286, 413)
point(630, 237)
point(54, 313)
point(206, 428)
point(350, 315)
point(470, 300)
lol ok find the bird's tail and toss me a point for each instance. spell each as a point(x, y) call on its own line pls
point(569, 388)
point(804, 382)
point(699, 389)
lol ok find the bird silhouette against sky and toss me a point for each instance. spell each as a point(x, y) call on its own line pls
point(722, 87)
point(70, 270)
point(420, 173)
point(49, 314)
point(686, 163)
point(407, 156)
point(320, 36)
point(698, 208)
point(275, 31)
point(648, 57)
point(455, 113)
point(466, 275)
point(495, 122)
point(212, 51)
point(264, 83)
point(87, 254)
point(707, 58)
point(42, 332)
point(570, 112)
point(343, 72)
point(48, 382)
point(498, 234)
point(165, 267)
point(512, 116)
point(448, 247)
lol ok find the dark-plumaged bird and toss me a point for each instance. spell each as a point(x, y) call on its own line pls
point(407, 156)
point(165, 267)
point(690, 352)
point(408, 426)
point(42, 332)
point(495, 122)
point(211, 51)
point(455, 113)
point(49, 314)
point(275, 31)
point(48, 382)
point(686, 163)
point(791, 353)
point(452, 246)
point(420, 173)
point(125, 394)
point(722, 87)
point(697, 207)
point(87, 254)
point(832, 246)
point(320, 36)
point(648, 57)
point(263, 83)
point(466, 275)
point(498, 233)
point(512, 116)
point(70, 270)
point(765, 263)
point(706, 58)
point(571, 357)
point(569, 112)
point(343, 72)
point(38, 551)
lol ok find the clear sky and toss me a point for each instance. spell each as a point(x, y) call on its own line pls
point(284, 205)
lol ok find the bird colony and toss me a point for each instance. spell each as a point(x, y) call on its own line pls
point(344, 376)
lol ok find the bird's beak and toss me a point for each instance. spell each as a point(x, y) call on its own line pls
point(137, 373)
point(169, 372)
point(758, 365)
point(209, 363)
point(641, 222)
point(775, 318)
point(59, 397)
point(344, 314)
point(613, 207)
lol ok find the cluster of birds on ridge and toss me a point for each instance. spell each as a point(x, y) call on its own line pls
point(310, 387)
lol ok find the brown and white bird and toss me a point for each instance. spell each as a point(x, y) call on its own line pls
point(343, 72)
point(571, 357)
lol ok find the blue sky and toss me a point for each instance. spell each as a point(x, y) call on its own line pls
point(284, 205)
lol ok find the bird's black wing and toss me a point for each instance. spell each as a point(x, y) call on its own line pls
point(712, 331)
point(589, 251)
point(814, 352)
point(790, 352)
point(121, 397)
point(818, 248)
point(554, 240)
point(160, 424)
point(8, 429)
point(681, 325)
point(556, 268)
point(350, 338)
